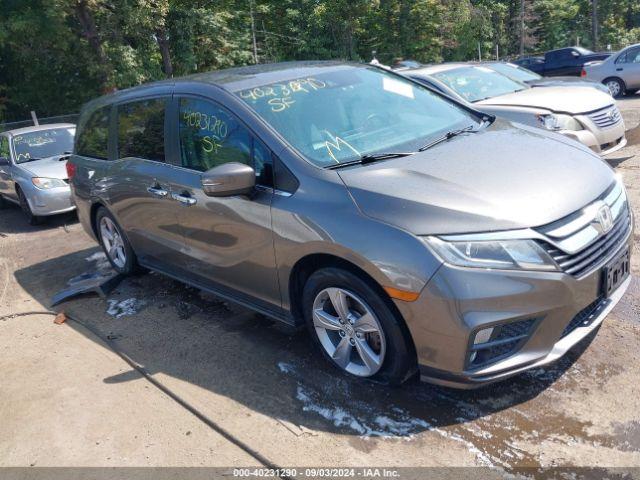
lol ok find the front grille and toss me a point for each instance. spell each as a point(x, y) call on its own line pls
point(606, 117)
point(505, 340)
point(585, 316)
point(585, 260)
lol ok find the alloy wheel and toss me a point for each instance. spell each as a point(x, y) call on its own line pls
point(614, 87)
point(113, 242)
point(349, 331)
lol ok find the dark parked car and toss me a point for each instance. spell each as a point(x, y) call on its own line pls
point(532, 79)
point(409, 232)
point(564, 61)
point(529, 62)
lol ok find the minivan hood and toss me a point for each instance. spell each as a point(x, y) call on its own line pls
point(502, 178)
point(574, 100)
point(52, 167)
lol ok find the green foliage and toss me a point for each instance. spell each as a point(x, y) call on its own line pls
point(57, 54)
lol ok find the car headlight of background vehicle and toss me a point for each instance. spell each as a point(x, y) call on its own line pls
point(47, 183)
point(501, 254)
point(554, 121)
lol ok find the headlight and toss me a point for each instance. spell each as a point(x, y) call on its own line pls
point(46, 183)
point(501, 254)
point(559, 122)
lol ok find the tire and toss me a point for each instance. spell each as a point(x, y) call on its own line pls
point(3, 203)
point(114, 243)
point(24, 205)
point(367, 312)
point(616, 86)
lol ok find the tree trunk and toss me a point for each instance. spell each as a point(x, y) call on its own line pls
point(522, 33)
point(594, 23)
point(163, 44)
point(403, 28)
point(90, 33)
point(253, 33)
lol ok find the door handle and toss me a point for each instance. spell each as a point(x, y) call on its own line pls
point(184, 199)
point(157, 191)
point(619, 69)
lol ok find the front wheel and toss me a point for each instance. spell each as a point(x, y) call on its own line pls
point(24, 205)
point(355, 328)
point(114, 243)
point(616, 87)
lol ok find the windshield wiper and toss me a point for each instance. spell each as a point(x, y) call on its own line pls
point(455, 133)
point(32, 159)
point(370, 158)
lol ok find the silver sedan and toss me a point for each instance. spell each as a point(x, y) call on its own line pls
point(583, 114)
point(32, 169)
point(620, 72)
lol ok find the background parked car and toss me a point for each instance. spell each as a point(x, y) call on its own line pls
point(620, 72)
point(563, 61)
point(581, 113)
point(32, 169)
point(532, 79)
point(529, 62)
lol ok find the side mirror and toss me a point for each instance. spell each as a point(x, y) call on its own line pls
point(229, 179)
point(4, 161)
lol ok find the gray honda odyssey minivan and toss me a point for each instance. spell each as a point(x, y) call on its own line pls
point(411, 234)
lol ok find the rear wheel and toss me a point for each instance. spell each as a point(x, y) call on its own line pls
point(354, 327)
point(114, 243)
point(3, 202)
point(616, 86)
point(24, 205)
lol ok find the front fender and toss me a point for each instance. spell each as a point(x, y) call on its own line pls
point(390, 256)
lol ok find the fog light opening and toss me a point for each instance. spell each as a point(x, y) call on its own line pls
point(498, 342)
point(483, 336)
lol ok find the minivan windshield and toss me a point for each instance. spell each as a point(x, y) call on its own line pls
point(514, 71)
point(478, 83)
point(43, 144)
point(347, 112)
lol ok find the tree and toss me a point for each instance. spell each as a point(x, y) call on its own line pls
point(84, 48)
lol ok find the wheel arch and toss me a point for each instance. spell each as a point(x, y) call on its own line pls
point(311, 263)
point(93, 211)
point(622, 82)
point(20, 189)
point(17, 187)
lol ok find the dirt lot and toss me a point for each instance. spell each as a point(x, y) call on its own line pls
point(260, 394)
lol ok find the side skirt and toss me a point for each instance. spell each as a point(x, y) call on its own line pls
point(229, 294)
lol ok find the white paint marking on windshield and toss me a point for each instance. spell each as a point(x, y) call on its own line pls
point(397, 87)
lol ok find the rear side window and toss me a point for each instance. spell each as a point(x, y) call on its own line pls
point(630, 56)
point(93, 136)
point(141, 129)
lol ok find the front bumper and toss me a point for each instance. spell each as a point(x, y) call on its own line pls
point(457, 302)
point(603, 141)
point(50, 202)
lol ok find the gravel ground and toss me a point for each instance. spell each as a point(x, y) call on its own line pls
point(262, 394)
